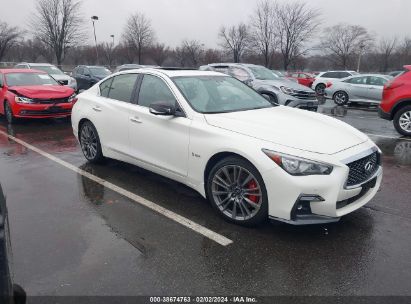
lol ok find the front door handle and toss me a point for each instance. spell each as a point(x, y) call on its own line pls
point(97, 109)
point(135, 119)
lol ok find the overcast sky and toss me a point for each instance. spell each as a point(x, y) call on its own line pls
point(174, 20)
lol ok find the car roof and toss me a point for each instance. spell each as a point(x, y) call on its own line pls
point(36, 64)
point(7, 71)
point(175, 73)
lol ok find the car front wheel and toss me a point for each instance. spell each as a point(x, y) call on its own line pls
point(402, 121)
point(320, 88)
point(237, 191)
point(8, 113)
point(90, 143)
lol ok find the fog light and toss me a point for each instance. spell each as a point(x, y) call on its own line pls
point(303, 205)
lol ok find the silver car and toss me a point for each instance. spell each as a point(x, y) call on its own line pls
point(276, 89)
point(365, 88)
point(52, 70)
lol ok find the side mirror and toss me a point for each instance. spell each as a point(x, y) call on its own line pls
point(162, 108)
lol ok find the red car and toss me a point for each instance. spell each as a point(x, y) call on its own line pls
point(303, 78)
point(396, 102)
point(28, 93)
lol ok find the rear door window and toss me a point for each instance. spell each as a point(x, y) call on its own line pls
point(239, 73)
point(331, 75)
point(122, 87)
point(376, 81)
point(105, 87)
point(357, 80)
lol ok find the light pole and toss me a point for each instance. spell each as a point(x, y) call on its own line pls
point(112, 36)
point(93, 19)
point(362, 46)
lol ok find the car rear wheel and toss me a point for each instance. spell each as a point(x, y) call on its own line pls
point(236, 190)
point(402, 121)
point(8, 113)
point(90, 143)
point(320, 88)
point(340, 98)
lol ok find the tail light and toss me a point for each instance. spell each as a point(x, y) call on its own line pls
point(329, 84)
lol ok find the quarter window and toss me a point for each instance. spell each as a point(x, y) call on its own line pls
point(239, 73)
point(122, 87)
point(154, 89)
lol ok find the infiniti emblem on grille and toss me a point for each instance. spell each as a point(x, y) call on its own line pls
point(368, 166)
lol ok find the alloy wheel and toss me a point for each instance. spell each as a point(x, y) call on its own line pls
point(88, 142)
point(405, 121)
point(340, 98)
point(236, 192)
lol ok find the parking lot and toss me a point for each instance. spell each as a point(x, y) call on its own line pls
point(112, 232)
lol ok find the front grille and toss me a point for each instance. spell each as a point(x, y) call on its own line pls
point(365, 188)
point(304, 95)
point(361, 170)
point(64, 82)
point(51, 101)
point(45, 112)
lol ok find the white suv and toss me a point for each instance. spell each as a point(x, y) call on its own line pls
point(321, 79)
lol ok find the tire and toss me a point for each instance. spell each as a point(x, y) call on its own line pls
point(227, 186)
point(8, 113)
point(272, 98)
point(402, 121)
point(90, 143)
point(340, 98)
point(319, 89)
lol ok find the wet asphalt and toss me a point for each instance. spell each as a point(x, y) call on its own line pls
point(72, 236)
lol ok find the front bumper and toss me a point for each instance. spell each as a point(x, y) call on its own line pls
point(302, 200)
point(291, 101)
point(42, 110)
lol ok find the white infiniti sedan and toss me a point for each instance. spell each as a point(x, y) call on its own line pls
point(251, 159)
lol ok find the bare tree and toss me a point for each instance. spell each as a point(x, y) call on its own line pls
point(138, 33)
point(212, 56)
point(159, 53)
point(295, 25)
point(193, 51)
point(385, 49)
point(8, 37)
point(342, 41)
point(58, 23)
point(234, 39)
point(262, 37)
point(108, 51)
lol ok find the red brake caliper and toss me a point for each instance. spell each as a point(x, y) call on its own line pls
point(252, 185)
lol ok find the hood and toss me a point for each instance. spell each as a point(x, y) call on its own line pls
point(291, 127)
point(284, 82)
point(43, 91)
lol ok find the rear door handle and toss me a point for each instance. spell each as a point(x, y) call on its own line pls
point(97, 109)
point(135, 119)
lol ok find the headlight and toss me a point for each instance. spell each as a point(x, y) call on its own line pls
point(73, 81)
point(20, 99)
point(72, 98)
point(286, 90)
point(298, 166)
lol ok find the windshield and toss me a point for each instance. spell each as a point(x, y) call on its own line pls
point(262, 73)
point(52, 70)
point(29, 79)
point(219, 94)
point(100, 71)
